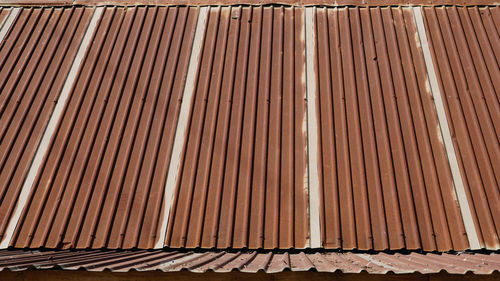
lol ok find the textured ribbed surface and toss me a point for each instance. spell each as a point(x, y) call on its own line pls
point(386, 177)
point(249, 2)
point(243, 174)
point(102, 182)
point(466, 51)
point(248, 261)
point(35, 58)
point(243, 180)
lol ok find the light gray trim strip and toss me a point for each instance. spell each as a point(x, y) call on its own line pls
point(51, 127)
point(312, 129)
point(187, 99)
point(7, 23)
point(446, 134)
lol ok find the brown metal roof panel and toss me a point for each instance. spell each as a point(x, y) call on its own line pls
point(468, 72)
point(381, 149)
point(69, 120)
point(240, 108)
point(36, 62)
point(127, 70)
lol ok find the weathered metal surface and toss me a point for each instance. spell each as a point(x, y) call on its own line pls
point(35, 58)
point(242, 177)
point(386, 178)
point(248, 261)
point(465, 45)
point(102, 181)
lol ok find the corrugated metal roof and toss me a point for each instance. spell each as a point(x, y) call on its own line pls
point(386, 179)
point(466, 49)
point(107, 164)
point(243, 174)
point(249, 261)
point(244, 179)
point(34, 60)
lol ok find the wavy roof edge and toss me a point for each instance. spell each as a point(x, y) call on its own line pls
point(338, 3)
point(249, 261)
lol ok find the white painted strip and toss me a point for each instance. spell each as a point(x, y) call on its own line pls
point(51, 127)
point(446, 134)
point(7, 23)
point(312, 130)
point(304, 121)
point(187, 99)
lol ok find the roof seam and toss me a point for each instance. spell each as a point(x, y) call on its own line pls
point(312, 130)
point(50, 129)
point(458, 185)
point(7, 23)
point(187, 100)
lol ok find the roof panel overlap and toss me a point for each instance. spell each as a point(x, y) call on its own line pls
point(386, 178)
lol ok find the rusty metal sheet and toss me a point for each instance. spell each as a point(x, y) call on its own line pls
point(465, 45)
point(386, 179)
point(249, 261)
point(242, 178)
point(102, 181)
point(35, 59)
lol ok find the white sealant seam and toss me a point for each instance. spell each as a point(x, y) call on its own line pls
point(446, 134)
point(51, 127)
point(304, 122)
point(7, 23)
point(187, 97)
point(312, 131)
